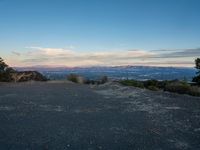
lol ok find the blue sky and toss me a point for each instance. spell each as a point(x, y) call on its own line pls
point(89, 32)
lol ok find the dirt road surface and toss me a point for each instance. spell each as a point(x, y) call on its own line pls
point(67, 116)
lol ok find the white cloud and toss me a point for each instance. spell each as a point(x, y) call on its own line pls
point(16, 53)
point(49, 51)
point(68, 57)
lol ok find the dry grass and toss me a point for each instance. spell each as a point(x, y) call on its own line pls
point(183, 88)
point(174, 86)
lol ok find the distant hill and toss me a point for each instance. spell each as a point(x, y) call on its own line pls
point(117, 72)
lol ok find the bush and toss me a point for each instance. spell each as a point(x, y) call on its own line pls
point(194, 91)
point(5, 77)
point(177, 87)
point(76, 78)
point(73, 78)
point(132, 83)
point(150, 83)
point(153, 85)
point(174, 86)
point(153, 88)
point(197, 80)
point(182, 88)
point(90, 81)
point(104, 79)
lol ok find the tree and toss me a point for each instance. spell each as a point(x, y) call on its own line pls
point(197, 63)
point(8, 74)
point(5, 71)
point(3, 65)
point(197, 66)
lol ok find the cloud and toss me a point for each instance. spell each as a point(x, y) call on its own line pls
point(49, 51)
point(67, 57)
point(177, 53)
point(16, 53)
point(185, 53)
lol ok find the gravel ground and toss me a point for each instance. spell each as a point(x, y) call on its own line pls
point(62, 116)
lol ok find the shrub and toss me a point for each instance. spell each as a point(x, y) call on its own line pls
point(162, 84)
point(73, 78)
point(194, 91)
point(76, 78)
point(178, 87)
point(153, 85)
point(197, 80)
point(90, 81)
point(174, 86)
point(153, 88)
point(5, 77)
point(132, 83)
point(104, 79)
point(150, 83)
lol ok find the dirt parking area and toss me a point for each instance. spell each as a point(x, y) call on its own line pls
point(62, 115)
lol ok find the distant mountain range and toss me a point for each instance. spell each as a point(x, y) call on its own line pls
point(117, 72)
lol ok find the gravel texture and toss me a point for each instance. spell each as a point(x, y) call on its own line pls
point(62, 115)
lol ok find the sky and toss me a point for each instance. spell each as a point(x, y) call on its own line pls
point(99, 32)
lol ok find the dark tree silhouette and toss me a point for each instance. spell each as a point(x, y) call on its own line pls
point(8, 74)
point(5, 71)
point(197, 63)
point(3, 65)
point(197, 66)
